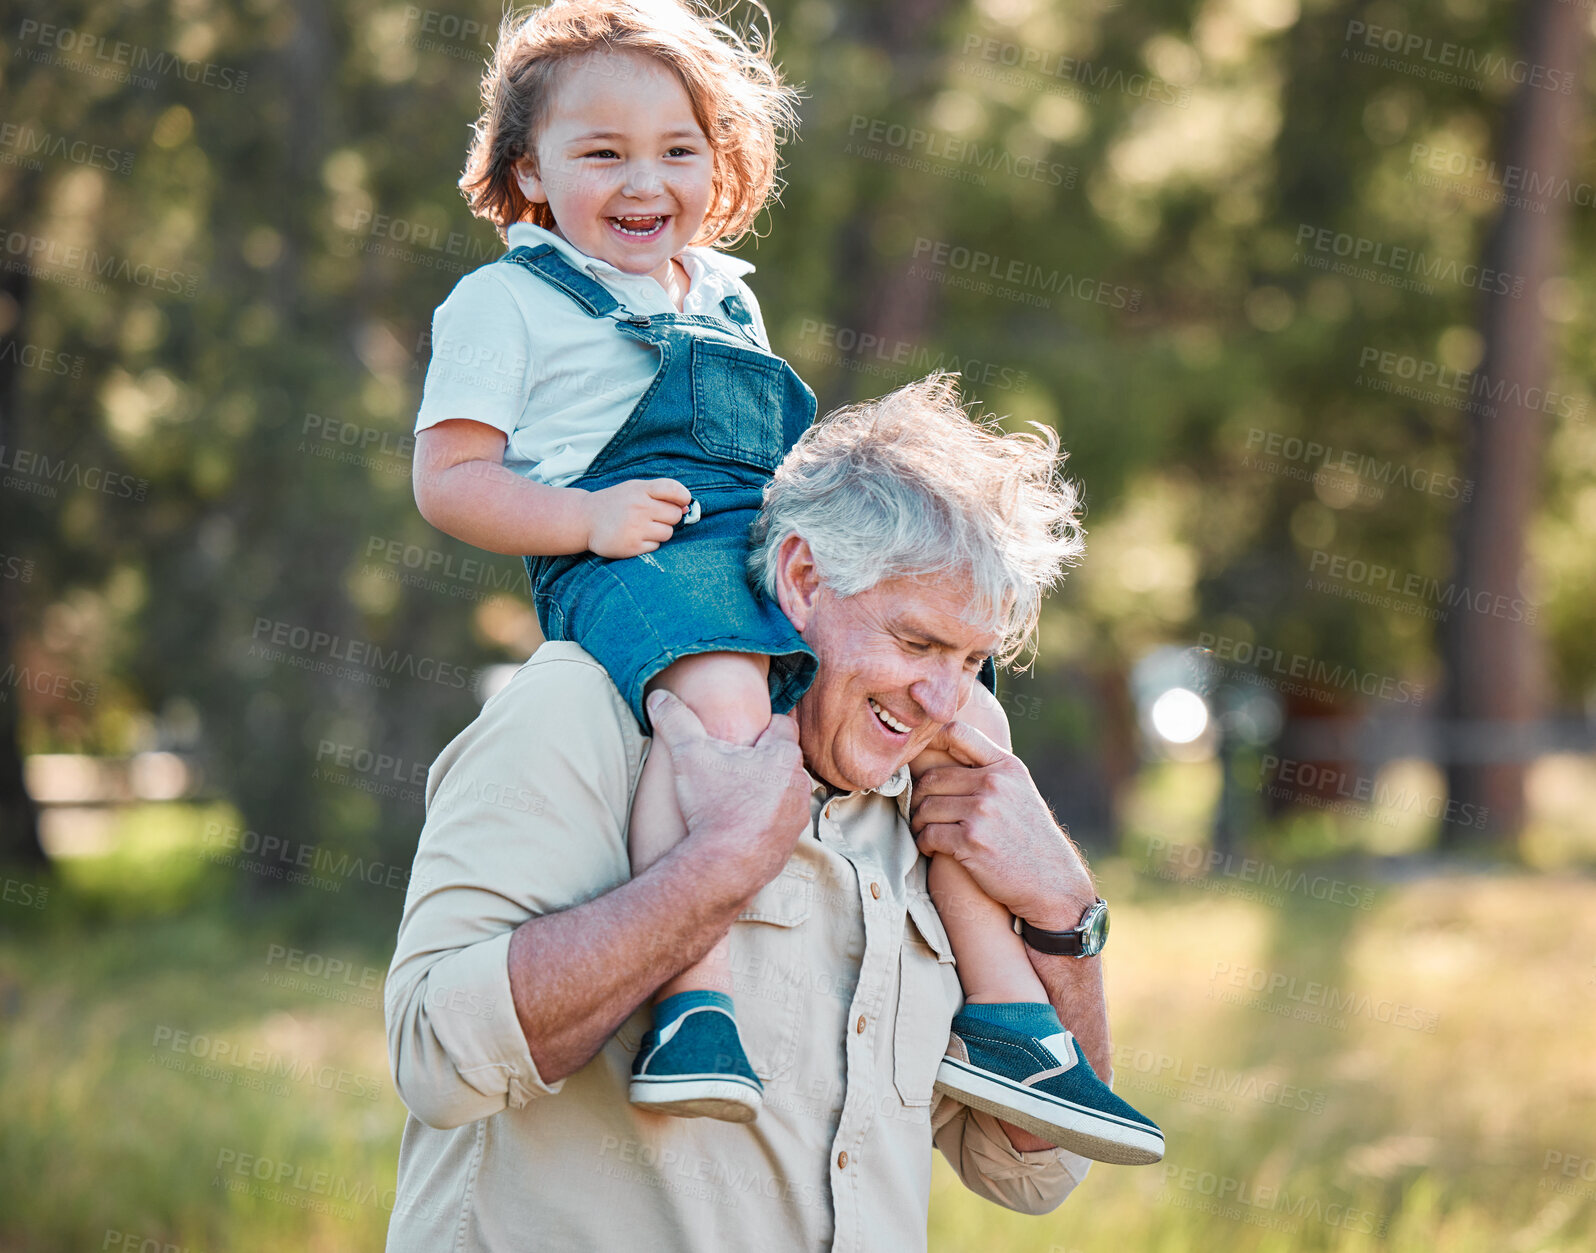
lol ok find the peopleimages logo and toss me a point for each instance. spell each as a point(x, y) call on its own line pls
point(1179, 861)
point(1444, 62)
point(987, 273)
point(1509, 179)
point(1282, 449)
point(323, 651)
point(883, 140)
point(1039, 65)
point(1356, 250)
point(1412, 587)
point(118, 60)
point(79, 265)
point(869, 353)
point(27, 141)
point(1258, 1204)
point(1313, 672)
point(1310, 994)
point(1285, 775)
point(1488, 392)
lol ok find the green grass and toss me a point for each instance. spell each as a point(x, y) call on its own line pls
point(1438, 1138)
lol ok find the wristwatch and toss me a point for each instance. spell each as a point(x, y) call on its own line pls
point(1085, 940)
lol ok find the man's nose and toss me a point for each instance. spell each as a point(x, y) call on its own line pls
point(940, 695)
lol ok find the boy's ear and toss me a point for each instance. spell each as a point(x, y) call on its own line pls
point(526, 178)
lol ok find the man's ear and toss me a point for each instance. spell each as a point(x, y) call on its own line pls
point(797, 581)
point(526, 178)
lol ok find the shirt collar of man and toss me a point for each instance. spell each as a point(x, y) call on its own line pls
point(716, 270)
point(897, 787)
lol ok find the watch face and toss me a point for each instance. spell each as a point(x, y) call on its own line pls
point(1096, 932)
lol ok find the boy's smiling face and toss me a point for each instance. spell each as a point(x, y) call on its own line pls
point(622, 162)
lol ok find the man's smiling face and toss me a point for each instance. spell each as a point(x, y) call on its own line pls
point(896, 664)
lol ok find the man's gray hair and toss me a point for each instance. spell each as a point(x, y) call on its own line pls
point(912, 485)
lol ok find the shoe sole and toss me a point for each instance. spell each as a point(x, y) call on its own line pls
point(1091, 1133)
point(729, 1100)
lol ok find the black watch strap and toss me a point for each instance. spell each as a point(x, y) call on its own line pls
point(1057, 943)
point(1054, 943)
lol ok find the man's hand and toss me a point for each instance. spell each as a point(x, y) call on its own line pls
point(986, 813)
point(754, 801)
point(634, 517)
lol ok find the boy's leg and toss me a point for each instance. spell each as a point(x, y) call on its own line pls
point(993, 966)
point(656, 827)
point(1009, 1054)
point(692, 1063)
point(992, 963)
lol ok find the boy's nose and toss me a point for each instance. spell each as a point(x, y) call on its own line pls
point(642, 180)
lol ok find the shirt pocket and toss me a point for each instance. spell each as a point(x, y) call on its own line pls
point(766, 988)
point(736, 404)
point(768, 970)
point(928, 995)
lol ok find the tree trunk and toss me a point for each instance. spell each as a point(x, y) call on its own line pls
point(1494, 666)
point(19, 817)
point(890, 300)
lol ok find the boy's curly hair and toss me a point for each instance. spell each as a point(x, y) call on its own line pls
point(736, 92)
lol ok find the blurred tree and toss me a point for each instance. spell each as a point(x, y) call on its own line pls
point(19, 819)
point(1495, 670)
point(1154, 303)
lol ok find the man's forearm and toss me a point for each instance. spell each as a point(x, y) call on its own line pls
point(1075, 986)
point(577, 975)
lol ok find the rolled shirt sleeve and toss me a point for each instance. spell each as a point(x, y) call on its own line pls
point(526, 815)
point(981, 1155)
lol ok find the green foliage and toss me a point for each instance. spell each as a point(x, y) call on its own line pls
point(1095, 211)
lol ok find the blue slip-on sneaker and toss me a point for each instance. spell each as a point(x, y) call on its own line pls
point(1047, 1087)
point(695, 1067)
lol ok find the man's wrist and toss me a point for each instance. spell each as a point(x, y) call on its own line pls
point(1061, 913)
point(708, 880)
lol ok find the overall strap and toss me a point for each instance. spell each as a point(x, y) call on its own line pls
point(546, 262)
point(736, 311)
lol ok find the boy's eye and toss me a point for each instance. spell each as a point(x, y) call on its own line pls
point(679, 151)
point(601, 152)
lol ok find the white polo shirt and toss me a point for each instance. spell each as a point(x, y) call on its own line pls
point(517, 353)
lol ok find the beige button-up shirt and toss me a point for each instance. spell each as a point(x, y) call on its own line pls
point(845, 990)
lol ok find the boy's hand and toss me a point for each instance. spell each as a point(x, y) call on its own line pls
point(634, 517)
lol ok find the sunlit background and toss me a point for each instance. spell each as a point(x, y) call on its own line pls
point(1304, 288)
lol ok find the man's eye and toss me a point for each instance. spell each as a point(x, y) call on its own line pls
point(916, 647)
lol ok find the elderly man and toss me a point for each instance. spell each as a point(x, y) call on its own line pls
point(898, 538)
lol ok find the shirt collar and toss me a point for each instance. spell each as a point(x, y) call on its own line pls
point(702, 264)
point(897, 787)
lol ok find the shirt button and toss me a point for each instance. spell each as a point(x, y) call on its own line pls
point(860, 1025)
point(842, 1160)
point(875, 890)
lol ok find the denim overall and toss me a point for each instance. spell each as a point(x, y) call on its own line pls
point(719, 417)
